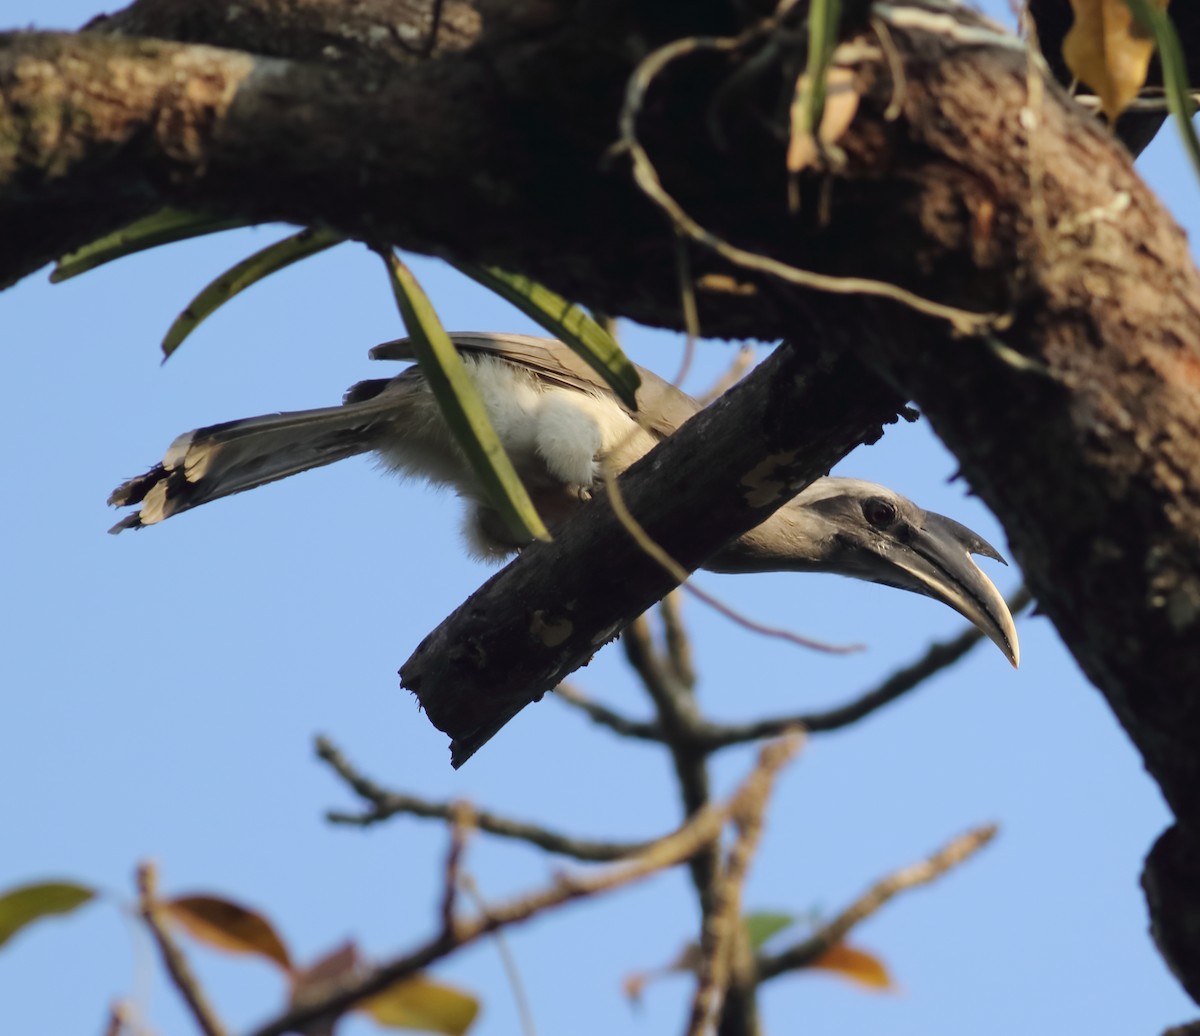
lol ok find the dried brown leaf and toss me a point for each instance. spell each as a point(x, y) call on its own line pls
point(857, 965)
point(225, 925)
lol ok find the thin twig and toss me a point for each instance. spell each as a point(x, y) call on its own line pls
point(722, 922)
point(118, 1019)
point(507, 960)
point(681, 575)
point(385, 804)
point(763, 630)
point(675, 635)
point(647, 179)
point(172, 956)
point(691, 315)
point(462, 823)
point(430, 41)
point(700, 831)
point(713, 736)
point(606, 717)
point(895, 65)
point(921, 873)
point(677, 717)
point(742, 360)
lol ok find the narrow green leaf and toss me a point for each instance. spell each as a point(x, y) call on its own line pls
point(422, 1004)
point(823, 19)
point(249, 271)
point(22, 906)
point(159, 228)
point(461, 405)
point(565, 321)
point(1175, 80)
point(763, 926)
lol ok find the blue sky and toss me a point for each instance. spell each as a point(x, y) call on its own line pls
point(161, 692)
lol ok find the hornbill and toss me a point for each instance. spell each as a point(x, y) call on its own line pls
point(560, 423)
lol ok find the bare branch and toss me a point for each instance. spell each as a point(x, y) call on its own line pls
point(921, 873)
point(385, 804)
point(606, 717)
point(701, 830)
point(679, 649)
point(722, 929)
point(118, 1019)
point(524, 1010)
point(712, 736)
point(677, 718)
point(173, 959)
point(462, 822)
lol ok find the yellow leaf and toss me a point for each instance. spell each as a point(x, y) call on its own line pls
point(227, 926)
point(1109, 51)
point(857, 965)
point(422, 1004)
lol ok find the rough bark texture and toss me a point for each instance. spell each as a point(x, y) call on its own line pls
point(1077, 421)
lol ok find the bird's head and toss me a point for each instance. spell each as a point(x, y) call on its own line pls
point(876, 534)
point(867, 531)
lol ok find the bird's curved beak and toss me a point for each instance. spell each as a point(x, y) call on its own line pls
point(935, 560)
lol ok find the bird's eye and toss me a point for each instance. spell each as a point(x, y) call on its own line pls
point(879, 512)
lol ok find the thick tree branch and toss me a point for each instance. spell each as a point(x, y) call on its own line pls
point(390, 31)
point(550, 610)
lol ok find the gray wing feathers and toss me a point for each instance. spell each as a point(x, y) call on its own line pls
point(661, 406)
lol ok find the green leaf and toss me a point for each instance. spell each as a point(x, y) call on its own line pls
point(249, 271)
point(1175, 79)
point(29, 903)
point(461, 405)
point(764, 926)
point(823, 19)
point(422, 1004)
point(565, 321)
point(159, 228)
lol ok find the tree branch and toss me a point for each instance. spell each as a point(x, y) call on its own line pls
point(386, 804)
point(549, 611)
point(1078, 424)
point(714, 736)
point(921, 873)
point(699, 831)
point(173, 959)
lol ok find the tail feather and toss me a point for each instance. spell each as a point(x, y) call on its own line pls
point(223, 459)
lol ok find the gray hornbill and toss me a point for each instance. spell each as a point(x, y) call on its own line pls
point(560, 423)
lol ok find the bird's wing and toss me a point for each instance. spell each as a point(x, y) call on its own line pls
point(661, 406)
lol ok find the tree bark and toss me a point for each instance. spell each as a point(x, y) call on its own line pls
point(1075, 414)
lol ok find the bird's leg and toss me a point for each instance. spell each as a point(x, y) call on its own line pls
point(569, 441)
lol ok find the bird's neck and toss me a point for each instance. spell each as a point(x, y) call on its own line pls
point(793, 539)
